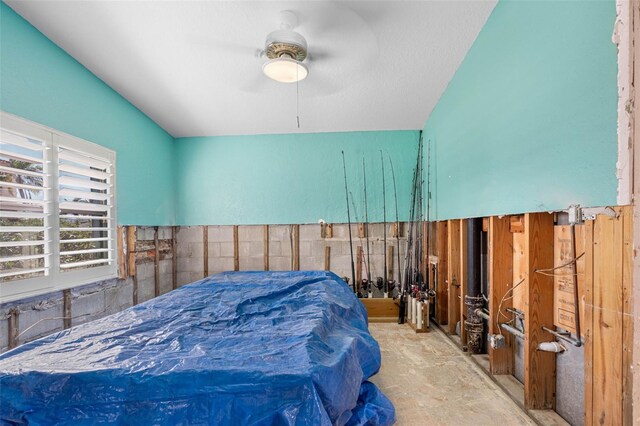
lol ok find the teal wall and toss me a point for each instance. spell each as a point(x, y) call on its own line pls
point(528, 123)
point(42, 83)
point(294, 178)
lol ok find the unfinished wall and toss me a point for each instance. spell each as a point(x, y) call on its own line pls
point(518, 105)
point(41, 82)
point(293, 178)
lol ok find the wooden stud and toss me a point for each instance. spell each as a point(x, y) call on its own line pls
point(516, 223)
point(397, 229)
point(296, 247)
point(326, 230)
point(131, 247)
point(359, 261)
point(266, 247)
point(156, 262)
point(66, 308)
point(236, 249)
point(327, 258)
point(442, 288)
point(390, 262)
point(627, 314)
point(205, 250)
point(122, 252)
point(362, 231)
point(14, 325)
point(174, 261)
point(586, 323)
point(453, 274)
point(485, 224)
point(607, 320)
point(463, 280)
point(540, 366)
point(501, 361)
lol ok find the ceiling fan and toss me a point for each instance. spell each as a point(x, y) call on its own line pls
point(287, 51)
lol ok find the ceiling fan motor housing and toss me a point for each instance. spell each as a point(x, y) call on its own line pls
point(286, 43)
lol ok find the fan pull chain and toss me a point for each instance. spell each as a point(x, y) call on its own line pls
point(297, 99)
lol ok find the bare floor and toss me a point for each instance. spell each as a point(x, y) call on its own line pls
point(431, 382)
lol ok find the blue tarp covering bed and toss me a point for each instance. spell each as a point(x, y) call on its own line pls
point(244, 348)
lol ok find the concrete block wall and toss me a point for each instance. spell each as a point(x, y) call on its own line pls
point(42, 315)
point(220, 247)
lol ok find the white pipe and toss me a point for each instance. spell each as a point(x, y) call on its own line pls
point(386, 295)
point(551, 347)
point(419, 312)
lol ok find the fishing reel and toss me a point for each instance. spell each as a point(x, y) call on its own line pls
point(379, 283)
point(364, 285)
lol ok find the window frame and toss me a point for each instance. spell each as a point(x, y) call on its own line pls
point(56, 280)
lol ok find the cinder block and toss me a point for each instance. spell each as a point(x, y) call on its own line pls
point(279, 232)
point(312, 263)
point(44, 319)
point(214, 250)
point(253, 263)
point(190, 234)
point(119, 296)
point(146, 290)
point(251, 233)
point(183, 278)
point(88, 306)
point(166, 266)
point(145, 270)
point(226, 249)
point(221, 233)
point(166, 283)
point(191, 264)
point(4, 335)
point(309, 232)
point(275, 248)
point(220, 264)
point(280, 263)
point(244, 249)
point(165, 232)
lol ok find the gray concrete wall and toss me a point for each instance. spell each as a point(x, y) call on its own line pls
point(39, 316)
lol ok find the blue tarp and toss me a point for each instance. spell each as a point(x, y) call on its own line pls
point(244, 348)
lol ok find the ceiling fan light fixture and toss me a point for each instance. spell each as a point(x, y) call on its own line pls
point(285, 70)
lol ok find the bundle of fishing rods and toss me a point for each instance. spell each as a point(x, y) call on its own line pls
point(411, 280)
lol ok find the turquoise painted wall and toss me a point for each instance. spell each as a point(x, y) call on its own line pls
point(42, 83)
point(294, 178)
point(528, 123)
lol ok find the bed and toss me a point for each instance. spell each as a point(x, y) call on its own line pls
point(237, 348)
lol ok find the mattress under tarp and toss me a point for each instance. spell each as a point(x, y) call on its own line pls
point(243, 348)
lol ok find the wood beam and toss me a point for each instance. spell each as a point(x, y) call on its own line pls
point(174, 261)
point(501, 361)
point(266, 247)
point(327, 258)
point(453, 274)
point(236, 249)
point(205, 250)
point(131, 262)
point(442, 288)
point(296, 247)
point(463, 280)
point(13, 324)
point(66, 308)
point(156, 262)
point(540, 366)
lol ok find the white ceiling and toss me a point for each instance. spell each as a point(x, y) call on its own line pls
point(192, 65)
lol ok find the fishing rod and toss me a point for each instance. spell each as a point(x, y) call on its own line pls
point(366, 226)
point(357, 218)
point(395, 196)
point(346, 192)
point(385, 278)
point(428, 278)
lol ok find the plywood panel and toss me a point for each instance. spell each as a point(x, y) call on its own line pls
point(500, 276)
point(587, 323)
point(564, 305)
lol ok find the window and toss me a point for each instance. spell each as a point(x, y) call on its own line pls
point(57, 210)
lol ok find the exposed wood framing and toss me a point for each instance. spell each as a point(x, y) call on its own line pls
point(122, 252)
point(359, 261)
point(396, 229)
point(516, 223)
point(327, 258)
point(627, 315)
point(13, 324)
point(540, 366)
point(587, 322)
point(266, 246)
point(296, 247)
point(66, 308)
point(362, 231)
point(463, 280)
point(131, 246)
point(453, 274)
point(390, 262)
point(425, 250)
point(442, 288)
point(236, 249)
point(156, 263)
point(174, 260)
point(205, 250)
point(501, 361)
point(326, 230)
